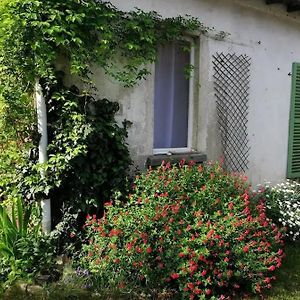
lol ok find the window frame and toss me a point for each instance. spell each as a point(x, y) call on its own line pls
point(190, 108)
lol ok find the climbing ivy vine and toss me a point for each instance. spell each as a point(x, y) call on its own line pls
point(35, 35)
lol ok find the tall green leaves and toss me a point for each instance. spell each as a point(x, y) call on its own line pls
point(14, 226)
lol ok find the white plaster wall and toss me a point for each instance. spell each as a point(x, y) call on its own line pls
point(265, 33)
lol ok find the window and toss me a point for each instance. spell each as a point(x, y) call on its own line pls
point(293, 169)
point(173, 98)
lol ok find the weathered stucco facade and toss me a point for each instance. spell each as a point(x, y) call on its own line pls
point(266, 34)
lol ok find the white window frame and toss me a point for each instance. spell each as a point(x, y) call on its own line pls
point(190, 109)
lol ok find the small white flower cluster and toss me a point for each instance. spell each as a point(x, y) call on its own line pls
point(286, 202)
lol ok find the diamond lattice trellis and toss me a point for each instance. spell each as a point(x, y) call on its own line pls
point(231, 79)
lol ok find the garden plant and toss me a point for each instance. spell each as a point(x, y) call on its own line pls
point(192, 231)
point(190, 228)
point(283, 206)
point(35, 36)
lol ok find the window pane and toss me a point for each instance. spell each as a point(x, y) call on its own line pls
point(171, 103)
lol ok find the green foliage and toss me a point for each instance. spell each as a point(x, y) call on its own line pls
point(88, 156)
point(34, 33)
point(24, 250)
point(188, 228)
point(13, 228)
point(87, 153)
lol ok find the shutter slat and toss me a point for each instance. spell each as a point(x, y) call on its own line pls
point(293, 168)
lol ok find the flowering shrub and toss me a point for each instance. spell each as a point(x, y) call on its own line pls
point(189, 228)
point(283, 203)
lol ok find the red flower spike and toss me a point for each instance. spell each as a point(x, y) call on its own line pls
point(272, 268)
point(175, 276)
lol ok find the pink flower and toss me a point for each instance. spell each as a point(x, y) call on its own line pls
point(161, 265)
point(272, 268)
point(280, 252)
point(208, 292)
point(267, 280)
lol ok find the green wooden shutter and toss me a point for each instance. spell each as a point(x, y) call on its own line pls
point(293, 170)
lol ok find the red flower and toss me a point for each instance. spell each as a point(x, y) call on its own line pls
point(280, 252)
point(193, 268)
point(149, 250)
point(138, 249)
point(129, 246)
point(246, 249)
point(203, 273)
point(197, 291)
point(208, 292)
point(122, 285)
point(114, 232)
point(210, 233)
point(161, 265)
point(267, 280)
point(182, 162)
point(175, 276)
point(191, 163)
point(190, 285)
point(272, 268)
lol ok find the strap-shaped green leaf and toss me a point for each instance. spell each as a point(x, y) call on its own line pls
point(4, 250)
point(20, 215)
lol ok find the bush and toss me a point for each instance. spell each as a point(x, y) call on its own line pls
point(188, 228)
point(283, 204)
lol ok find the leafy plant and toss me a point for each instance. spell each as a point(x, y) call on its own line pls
point(283, 204)
point(35, 36)
point(13, 227)
point(24, 250)
point(191, 228)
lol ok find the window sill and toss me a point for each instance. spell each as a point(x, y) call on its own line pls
point(157, 159)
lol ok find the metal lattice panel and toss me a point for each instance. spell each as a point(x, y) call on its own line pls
point(231, 78)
